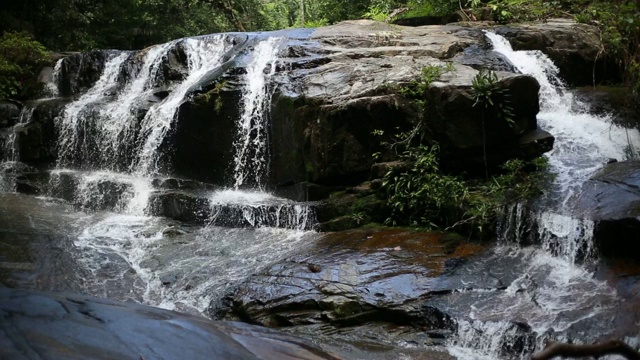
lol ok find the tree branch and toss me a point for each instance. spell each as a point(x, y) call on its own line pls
point(611, 347)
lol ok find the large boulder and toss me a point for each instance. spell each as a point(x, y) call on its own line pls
point(611, 198)
point(36, 139)
point(324, 126)
point(9, 112)
point(80, 327)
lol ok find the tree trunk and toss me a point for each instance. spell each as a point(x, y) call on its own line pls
point(303, 10)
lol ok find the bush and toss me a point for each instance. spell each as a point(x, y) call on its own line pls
point(21, 58)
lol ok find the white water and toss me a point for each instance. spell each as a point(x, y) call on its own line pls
point(257, 210)
point(251, 158)
point(182, 272)
point(553, 293)
point(584, 143)
point(115, 132)
point(51, 89)
point(203, 55)
point(72, 125)
point(129, 255)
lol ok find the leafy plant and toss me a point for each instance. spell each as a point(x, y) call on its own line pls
point(416, 89)
point(21, 58)
point(423, 195)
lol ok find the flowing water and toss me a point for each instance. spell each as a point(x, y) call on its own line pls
point(251, 158)
point(555, 291)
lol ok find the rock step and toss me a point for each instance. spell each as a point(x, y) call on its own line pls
point(179, 199)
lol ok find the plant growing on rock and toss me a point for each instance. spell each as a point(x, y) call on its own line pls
point(492, 99)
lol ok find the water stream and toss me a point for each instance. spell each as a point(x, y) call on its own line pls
point(556, 292)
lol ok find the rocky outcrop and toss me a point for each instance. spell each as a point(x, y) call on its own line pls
point(611, 198)
point(339, 104)
point(410, 287)
point(334, 88)
point(81, 327)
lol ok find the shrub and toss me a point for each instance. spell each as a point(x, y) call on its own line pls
point(21, 58)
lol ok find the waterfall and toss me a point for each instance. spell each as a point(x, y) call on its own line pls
point(554, 291)
point(203, 54)
point(111, 145)
point(584, 143)
point(51, 89)
point(251, 146)
point(74, 125)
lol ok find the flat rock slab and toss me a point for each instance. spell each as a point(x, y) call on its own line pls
point(356, 277)
point(37, 325)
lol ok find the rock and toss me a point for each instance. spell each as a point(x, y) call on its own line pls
point(458, 126)
point(573, 47)
point(611, 198)
point(9, 112)
point(81, 70)
point(179, 205)
point(36, 139)
point(353, 278)
point(68, 326)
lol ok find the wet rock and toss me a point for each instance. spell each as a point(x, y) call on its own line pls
point(611, 198)
point(354, 278)
point(80, 71)
point(67, 326)
point(24, 186)
point(180, 206)
point(458, 126)
point(37, 138)
point(175, 67)
point(9, 112)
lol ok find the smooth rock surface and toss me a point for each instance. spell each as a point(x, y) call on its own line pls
point(37, 325)
point(611, 198)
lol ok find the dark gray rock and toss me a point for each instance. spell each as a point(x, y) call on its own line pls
point(611, 198)
point(9, 112)
point(353, 278)
point(51, 326)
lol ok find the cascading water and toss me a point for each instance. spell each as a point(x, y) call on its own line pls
point(553, 293)
point(73, 126)
point(51, 89)
point(202, 56)
point(117, 151)
point(251, 146)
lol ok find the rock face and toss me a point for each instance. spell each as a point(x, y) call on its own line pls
point(44, 325)
point(611, 198)
point(405, 287)
point(334, 87)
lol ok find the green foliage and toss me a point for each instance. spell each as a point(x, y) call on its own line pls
point(21, 58)
point(424, 196)
point(491, 97)
point(416, 89)
point(619, 22)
